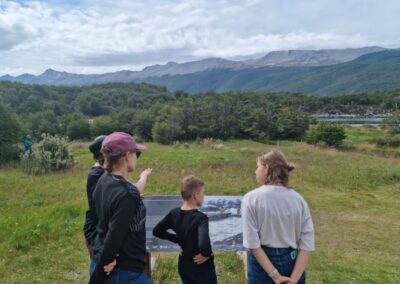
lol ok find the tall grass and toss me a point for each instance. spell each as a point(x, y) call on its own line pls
point(354, 199)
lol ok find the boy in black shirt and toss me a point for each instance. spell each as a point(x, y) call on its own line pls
point(196, 261)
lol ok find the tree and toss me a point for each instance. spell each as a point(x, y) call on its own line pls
point(291, 123)
point(257, 123)
point(123, 119)
point(142, 124)
point(78, 129)
point(103, 125)
point(331, 134)
point(43, 122)
point(9, 134)
point(393, 123)
point(161, 133)
point(168, 126)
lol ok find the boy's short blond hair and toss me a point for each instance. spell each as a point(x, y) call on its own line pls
point(189, 185)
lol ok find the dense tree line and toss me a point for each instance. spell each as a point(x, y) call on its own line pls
point(9, 134)
point(153, 113)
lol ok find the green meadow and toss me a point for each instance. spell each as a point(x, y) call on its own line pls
point(353, 195)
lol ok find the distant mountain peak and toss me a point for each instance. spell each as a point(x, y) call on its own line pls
point(7, 77)
point(51, 71)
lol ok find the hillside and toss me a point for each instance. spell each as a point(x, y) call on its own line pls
point(372, 72)
point(319, 73)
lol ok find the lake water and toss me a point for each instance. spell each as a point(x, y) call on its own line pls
point(353, 121)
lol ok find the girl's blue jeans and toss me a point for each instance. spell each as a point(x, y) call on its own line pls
point(283, 260)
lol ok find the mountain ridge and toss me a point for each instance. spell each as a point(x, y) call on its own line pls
point(370, 70)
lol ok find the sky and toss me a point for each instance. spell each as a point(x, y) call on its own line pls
point(98, 36)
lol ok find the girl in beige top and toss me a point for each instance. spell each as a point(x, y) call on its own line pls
point(277, 225)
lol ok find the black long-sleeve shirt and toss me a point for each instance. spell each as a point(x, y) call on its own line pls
point(90, 222)
point(120, 228)
point(191, 233)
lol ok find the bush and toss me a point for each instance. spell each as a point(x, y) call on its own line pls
point(210, 143)
point(330, 134)
point(178, 145)
point(393, 141)
point(50, 155)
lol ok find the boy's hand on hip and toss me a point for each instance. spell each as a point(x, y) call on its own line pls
point(200, 259)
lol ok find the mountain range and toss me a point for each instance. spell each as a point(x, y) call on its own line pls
point(312, 72)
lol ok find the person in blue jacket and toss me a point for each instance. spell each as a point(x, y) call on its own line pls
point(28, 144)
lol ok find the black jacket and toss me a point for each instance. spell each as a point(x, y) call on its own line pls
point(90, 222)
point(120, 228)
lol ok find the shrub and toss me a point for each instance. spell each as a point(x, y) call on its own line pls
point(393, 141)
point(178, 145)
point(330, 134)
point(211, 143)
point(50, 155)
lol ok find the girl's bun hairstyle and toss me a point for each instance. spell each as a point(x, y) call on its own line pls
point(290, 167)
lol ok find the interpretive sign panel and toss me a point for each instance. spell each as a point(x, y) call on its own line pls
point(224, 221)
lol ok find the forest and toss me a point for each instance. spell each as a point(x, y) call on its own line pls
point(153, 113)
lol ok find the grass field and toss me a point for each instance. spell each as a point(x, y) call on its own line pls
point(362, 138)
point(354, 199)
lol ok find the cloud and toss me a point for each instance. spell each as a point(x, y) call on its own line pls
point(11, 37)
point(104, 35)
point(136, 59)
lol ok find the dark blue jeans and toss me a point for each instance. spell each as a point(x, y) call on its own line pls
point(208, 277)
point(119, 276)
point(283, 260)
point(92, 266)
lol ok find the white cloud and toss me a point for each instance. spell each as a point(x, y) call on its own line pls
point(102, 36)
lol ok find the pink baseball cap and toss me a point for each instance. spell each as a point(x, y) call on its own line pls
point(119, 143)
